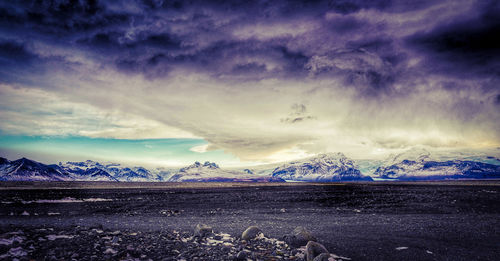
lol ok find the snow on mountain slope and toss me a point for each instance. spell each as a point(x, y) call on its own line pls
point(91, 170)
point(415, 164)
point(421, 165)
point(259, 170)
point(414, 154)
point(27, 170)
point(210, 172)
point(368, 166)
point(321, 168)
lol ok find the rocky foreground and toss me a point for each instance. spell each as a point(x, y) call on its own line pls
point(78, 243)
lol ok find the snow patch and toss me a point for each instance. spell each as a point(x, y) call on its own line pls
point(66, 200)
point(110, 251)
point(54, 237)
point(10, 241)
point(17, 252)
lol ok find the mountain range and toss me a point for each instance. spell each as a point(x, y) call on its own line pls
point(419, 164)
point(414, 164)
point(211, 172)
point(321, 168)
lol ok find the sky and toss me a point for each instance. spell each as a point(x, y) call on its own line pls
point(246, 82)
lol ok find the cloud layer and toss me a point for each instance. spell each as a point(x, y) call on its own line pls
point(263, 80)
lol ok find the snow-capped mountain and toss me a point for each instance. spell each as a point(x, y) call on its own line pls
point(321, 168)
point(91, 170)
point(414, 154)
point(419, 164)
point(368, 166)
point(210, 172)
point(414, 164)
point(28, 170)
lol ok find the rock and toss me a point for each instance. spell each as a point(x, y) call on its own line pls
point(202, 230)
point(322, 257)
point(314, 249)
point(250, 233)
point(241, 256)
point(299, 237)
point(110, 251)
point(17, 252)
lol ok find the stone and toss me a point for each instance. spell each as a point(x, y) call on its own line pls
point(314, 249)
point(251, 233)
point(322, 257)
point(202, 230)
point(299, 237)
point(110, 251)
point(241, 256)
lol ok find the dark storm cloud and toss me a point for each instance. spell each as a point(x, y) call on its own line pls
point(345, 25)
point(348, 6)
point(57, 18)
point(151, 37)
point(397, 68)
point(467, 48)
point(15, 58)
point(143, 36)
point(20, 65)
point(254, 40)
point(383, 46)
point(15, 54)
point(366, 71)
point(187, 33)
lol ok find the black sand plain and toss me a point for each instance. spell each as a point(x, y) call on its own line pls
point(455, 220)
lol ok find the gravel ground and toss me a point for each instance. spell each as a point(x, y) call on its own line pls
point(361, 221)
point(79, 243)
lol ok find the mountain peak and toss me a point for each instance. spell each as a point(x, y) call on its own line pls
point(198, 165)
point(4, 161)
point(418, 164)
point(322, 167)
point(416, 154)
point(24, 160)
point(210, 165)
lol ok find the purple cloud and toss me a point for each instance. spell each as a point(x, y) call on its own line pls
point(369, 72)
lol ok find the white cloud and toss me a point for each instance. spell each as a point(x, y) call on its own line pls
point(29, 111)
point(246, 120)
point(200, 149)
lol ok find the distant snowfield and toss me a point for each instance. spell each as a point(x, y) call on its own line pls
point(413, 164)
point(382, 179)
point(66, 200)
